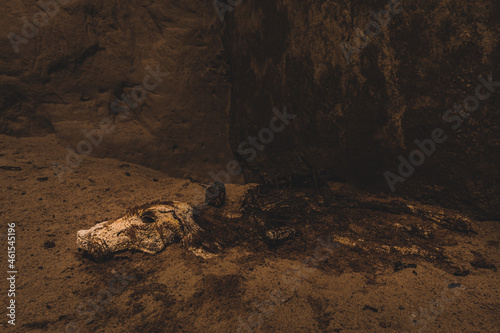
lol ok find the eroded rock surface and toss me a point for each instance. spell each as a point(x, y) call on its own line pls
point(89, 54)
point(354, 118)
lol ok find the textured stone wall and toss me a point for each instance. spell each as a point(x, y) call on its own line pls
point(363, 86)
point(362, 97)
point(89, 53)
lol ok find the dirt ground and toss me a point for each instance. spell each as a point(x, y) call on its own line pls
point(353, 262)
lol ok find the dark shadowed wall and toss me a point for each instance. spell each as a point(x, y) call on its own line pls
point(362, 97)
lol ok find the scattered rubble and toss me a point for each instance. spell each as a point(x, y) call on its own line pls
point(277, 236)
point(215, 195)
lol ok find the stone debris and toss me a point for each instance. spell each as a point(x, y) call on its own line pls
point(215, 195)
point(279, 235)
point(149, 229)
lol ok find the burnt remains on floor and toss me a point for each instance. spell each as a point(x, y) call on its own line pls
point(347, 229)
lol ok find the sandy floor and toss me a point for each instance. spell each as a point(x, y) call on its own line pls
point(284, 289)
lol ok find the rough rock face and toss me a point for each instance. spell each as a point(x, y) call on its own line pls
point(147, 82)
point(90, 53)
point(354, 118)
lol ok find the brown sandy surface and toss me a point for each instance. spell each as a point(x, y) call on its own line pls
point(269, 288)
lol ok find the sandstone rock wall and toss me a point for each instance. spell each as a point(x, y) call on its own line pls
point(66, 76)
